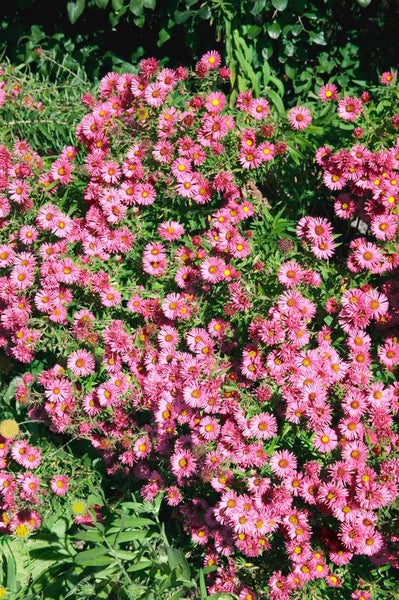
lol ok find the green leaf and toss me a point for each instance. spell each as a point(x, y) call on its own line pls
point(317, 38)
point(75, 9)
point(181, 16)
point(88, 536)
point(205, 13)
point(140, 566)
point(132, 522)
point(117, 5)
point(89, 557)
point(177, 560)
point(190, 3)
point(274, 31)
point(163, 36)
point(280, 4)
point(149, 4)
point(258, 6)
point(364, 3)
point(136, 7)
point(102, 3)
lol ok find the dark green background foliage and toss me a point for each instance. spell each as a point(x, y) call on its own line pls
point(302, 40)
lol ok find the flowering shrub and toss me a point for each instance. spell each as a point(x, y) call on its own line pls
point(155, 305)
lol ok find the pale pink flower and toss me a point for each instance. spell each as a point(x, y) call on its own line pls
point(299, 117)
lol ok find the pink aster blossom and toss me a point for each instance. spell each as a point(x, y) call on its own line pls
point(388, 77)
point(349, 108)
point(283, 462)
point(59, 484)
point(81, 363)
point(299, 117)
point(328, 92)
point(183, 463)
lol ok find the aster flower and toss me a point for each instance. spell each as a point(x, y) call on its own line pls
point(349, 108)
point(59, 484)
point(183, 463)
point(81, 363)
point(299, 117)
point(283, 462)
point(211, 59)
point(328, 92)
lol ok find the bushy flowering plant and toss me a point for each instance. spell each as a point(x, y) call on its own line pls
point(155, 306)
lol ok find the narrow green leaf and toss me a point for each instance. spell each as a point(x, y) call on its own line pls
point(90, 557)
point(88, 536)
point(140, 566)
point(276, 100)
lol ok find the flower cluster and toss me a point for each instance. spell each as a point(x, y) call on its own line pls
point(130, 270)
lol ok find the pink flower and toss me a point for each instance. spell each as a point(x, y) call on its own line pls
point(299, 117)
point(326, 440)
point(283, 463)
point(349, 108)
point(388, 77)
point(290, 273)
point(259, 108)
point(59, 484)
point(183, 463)
point(215, 102)
point(263, 426)
point(211, 59)
point(81, 363)
point(328, 92)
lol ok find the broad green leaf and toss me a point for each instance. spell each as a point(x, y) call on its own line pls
point(317, 38)
point(177, 560)
point(117, 4)
point(205, 12)
point(163, 36)
point(136, 7)
point(364, 3)
point(274, 31)
point(258, 6)
point(102, 3)
point(181, 16)
point(75, 9)
point(280, 4)
point(149, 4)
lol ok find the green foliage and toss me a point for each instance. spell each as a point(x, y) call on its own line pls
point(303, 42)
point(126, 555)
